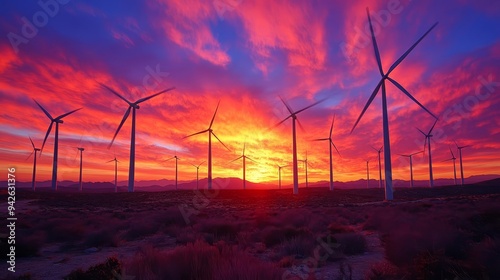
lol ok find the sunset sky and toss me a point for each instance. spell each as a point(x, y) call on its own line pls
point(247, 53)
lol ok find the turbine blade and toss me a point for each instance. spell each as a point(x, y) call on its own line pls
point(46, 135)
point(321, 139)
point(286, 105)
point(395, 64)
point(300, 125)
point(331, 127)
point(45, 111)
point(115, 93)
point(32, 144)
point(410, 96)
point(250, 159)
point(127, 113)
point(375, 46)
point(236, 159)
point(151, 96)
point(195, 134)
point(69, 113)
point(335, 148)
point(421, 132)
point(281, 122)
point(110, 160)
point(314, 104)
point(220, 141)
point(213, 118)
point(201, 163)
point(433, 126)
point(29, 155)
point(416, 153)
point(374, 93)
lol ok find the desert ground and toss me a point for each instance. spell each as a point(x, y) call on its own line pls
point(441, 233)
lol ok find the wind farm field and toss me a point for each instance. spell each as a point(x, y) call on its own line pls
point(440, 233)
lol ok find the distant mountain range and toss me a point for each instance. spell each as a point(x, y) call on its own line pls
point(237, 183)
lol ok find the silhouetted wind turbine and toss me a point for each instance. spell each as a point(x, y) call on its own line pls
point(385, 117)
point(176, 159)
point(330, 144)
point(210, 133)
point(244, 157)
point(379, 166)
point(293, 115)
point(132, 106)
point(58, 120)
point(81, 160)
point(279, 174)
point(367, 174)
point(116, 172)
point(411, 165)
point(453, 158)
point(428, 137)
point(305, 164)
point(35, 151)
point(460, 156)
point(197, 169)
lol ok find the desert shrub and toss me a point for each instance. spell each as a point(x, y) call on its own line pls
point(106, 237)
point(436, 266)
point(65, 230)
point(338, 228)
point(300, 246)
point(110, 269)
point(199, 261)
point(404, 244)
point(272, 235)
point(384, 271)
point(296, 217)
point(171, 216)
point(486, 257)
point(485, 224)
point(140, 228)
point(220, 229)
point(28, 244)
point(351, 243)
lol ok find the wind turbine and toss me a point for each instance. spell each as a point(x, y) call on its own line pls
point(385, 117)
point(132, 106)
point(197, 169)
point(330, 144)
point(367, 174)
point(244, 157)
point(176, 159)
point(116, 172)
point(210, 133)
point(379, 166)
point(454, 166)
point(35, 151)
point(305, 164)
point(293, 115)
point(58, 120)
point(279, 174)
point(411, 165)
point(428, 137)
point(460, 156)
point(81, 157)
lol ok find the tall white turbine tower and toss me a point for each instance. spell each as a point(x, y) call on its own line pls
point(279, 174)
point(453, 158)
point(385, 116)
point(379, 151)
point(176, 159)
point(244, 158)
point(461, 165)
point(210, 133)
point(80, 184)
point(116, 172)
point(34, 153)
point(410, 156)
point(367, 174)
point(330, 145)
point(58, 120)
point(428, 137)
point(197, 171)
point(293, 115)
point(132, 106)
point(306, 163)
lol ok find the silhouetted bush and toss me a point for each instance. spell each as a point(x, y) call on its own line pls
point(110, 269)
point(28, 244)
point(272, 235)
point(300, 246)
point(351, 243)
point(199, 261)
